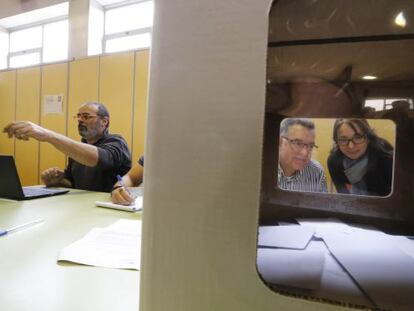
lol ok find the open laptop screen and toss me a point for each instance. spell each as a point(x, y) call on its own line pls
point(11, 188)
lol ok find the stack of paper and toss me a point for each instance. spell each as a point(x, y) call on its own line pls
point(137, 206)
point(342, 262)
point(116, 246)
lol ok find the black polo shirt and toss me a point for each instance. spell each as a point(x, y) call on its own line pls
point(114, 159)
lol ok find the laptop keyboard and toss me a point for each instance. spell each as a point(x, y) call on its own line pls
point(32, 192)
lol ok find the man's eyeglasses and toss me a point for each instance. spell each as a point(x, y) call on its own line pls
point(356, 139)
point(298, 145)
point(84, 116)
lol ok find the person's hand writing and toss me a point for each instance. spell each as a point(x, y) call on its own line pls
point(25, 130)
point(121, 196)
point(52, 176)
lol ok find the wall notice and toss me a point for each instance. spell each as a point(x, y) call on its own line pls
point(53, 104)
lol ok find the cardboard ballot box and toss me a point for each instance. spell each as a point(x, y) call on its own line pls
point(211, 94)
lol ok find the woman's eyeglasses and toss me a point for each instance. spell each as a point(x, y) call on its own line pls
point(356, 139)
point(84, 116)
point(298, 145)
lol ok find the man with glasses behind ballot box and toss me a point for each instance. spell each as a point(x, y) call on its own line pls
point(94, 162)
point(297, 170)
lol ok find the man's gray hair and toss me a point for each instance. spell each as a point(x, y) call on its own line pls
point(288, 122)
point(102, 110)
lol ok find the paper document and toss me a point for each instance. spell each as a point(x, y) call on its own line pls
point(292, 236)
point(377, 263)
point(291, 267)
point(116, 246)
point(130, 208)
point(325, 226)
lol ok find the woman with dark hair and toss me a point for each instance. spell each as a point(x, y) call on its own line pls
point(360, 162)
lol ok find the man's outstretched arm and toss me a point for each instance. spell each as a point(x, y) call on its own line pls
point(83, 153)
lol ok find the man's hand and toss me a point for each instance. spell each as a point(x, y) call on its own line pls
point(52, 176)
point(25, 130)
point(82, 153)
point(121, 196)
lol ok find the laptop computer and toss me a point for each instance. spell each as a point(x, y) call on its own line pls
point(11, 188)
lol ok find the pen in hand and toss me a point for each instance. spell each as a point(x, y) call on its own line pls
point(122, 184)
point(21, 227)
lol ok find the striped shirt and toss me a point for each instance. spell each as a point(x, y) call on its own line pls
point(310, 179)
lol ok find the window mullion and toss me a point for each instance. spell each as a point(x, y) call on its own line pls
point(22, 52)
point(42, 46)
point(128, 33)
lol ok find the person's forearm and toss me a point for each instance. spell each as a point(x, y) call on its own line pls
point(135, 175)
point(63, 183)
point(80, 152)
point(127, 181)
point(66, 183)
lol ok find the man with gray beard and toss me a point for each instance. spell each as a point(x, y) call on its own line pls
point(94, 162)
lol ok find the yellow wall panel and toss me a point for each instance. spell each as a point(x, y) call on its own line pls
point(385, 129)
point(28, 108)
point(323, 129)
point(7, 108)
point(119, 81)
point(54, 82)
point(140, 103)
point(83, 87)
point(116, 91)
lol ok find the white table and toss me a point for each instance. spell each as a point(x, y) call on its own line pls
point(31, 278)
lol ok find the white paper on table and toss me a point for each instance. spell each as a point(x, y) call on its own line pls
point(137, 206)
point(117, 246)
point(291, 236)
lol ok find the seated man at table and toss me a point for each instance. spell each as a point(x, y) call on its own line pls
point(94, 162)
point(297, 171)
point(133, 178)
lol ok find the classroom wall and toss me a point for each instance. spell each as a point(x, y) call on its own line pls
point(118, 80)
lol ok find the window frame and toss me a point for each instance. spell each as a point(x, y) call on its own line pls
point(387, 102)
point(42, 24)
point(127, 33)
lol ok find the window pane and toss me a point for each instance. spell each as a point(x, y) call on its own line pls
point(4, 48)
point(55, 46)
point(128, 43)
point(129, 17)
point(95, 30)
point(386, 103)
point(26, 39)
point(377, 104)
point(25, 60)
